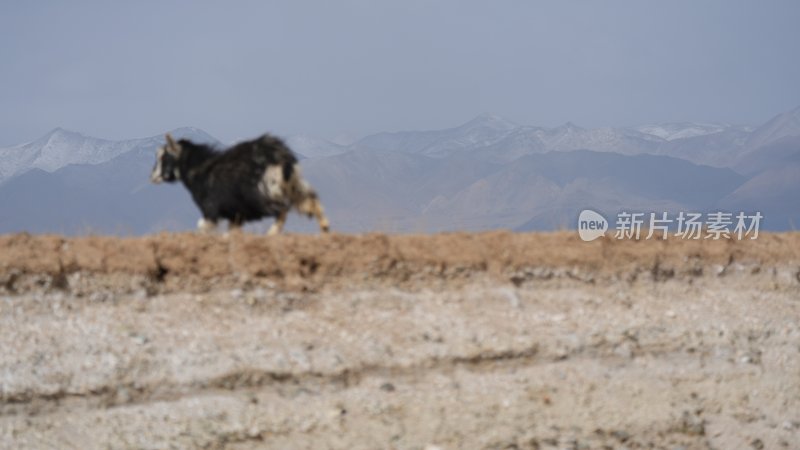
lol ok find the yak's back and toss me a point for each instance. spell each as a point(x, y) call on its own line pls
point(248, 161)
point(264, 151)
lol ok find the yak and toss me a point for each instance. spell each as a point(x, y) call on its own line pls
point(246, 182)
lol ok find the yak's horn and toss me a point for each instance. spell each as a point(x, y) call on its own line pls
point(172, 146)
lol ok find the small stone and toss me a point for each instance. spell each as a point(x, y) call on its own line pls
point(624, 350)
point(98, 297)
point(511, 296)
point(139, 339)
point(693, 425)
point(337, 412)
point(123, 396)
point(620, 435)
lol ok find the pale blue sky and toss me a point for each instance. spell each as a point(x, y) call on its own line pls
point(118, 69)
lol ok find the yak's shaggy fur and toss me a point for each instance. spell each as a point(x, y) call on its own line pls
point(247, 182)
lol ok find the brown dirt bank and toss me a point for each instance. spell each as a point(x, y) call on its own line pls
point(190, 262)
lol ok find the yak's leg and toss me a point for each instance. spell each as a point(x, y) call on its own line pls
point(324, 225)
point(206, 225)
point(235, 224)
point(305, 199)
point(311, 206)
point(278, 225)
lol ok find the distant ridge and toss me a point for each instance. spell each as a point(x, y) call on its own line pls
point(486, 173)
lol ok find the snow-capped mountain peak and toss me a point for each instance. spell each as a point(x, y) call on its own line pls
point(682, 130)
point(54, 150)
point(59, 148)
point(780, 126)
point(193, 134)
point(490, 121)
point(569, 127)
point(311, 147)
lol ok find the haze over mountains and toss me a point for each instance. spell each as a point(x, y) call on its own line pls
point(487, 173)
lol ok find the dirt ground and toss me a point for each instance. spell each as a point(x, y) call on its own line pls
point(452, 341)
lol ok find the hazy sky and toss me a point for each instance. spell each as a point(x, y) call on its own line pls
point(119, 69)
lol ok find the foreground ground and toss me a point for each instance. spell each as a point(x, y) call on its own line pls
point(492, 340)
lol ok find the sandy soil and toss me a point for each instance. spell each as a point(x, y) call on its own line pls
point(492, 340)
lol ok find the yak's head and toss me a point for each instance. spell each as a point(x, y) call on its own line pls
point(166, 168)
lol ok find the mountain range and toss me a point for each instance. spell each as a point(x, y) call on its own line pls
point(484, 174)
